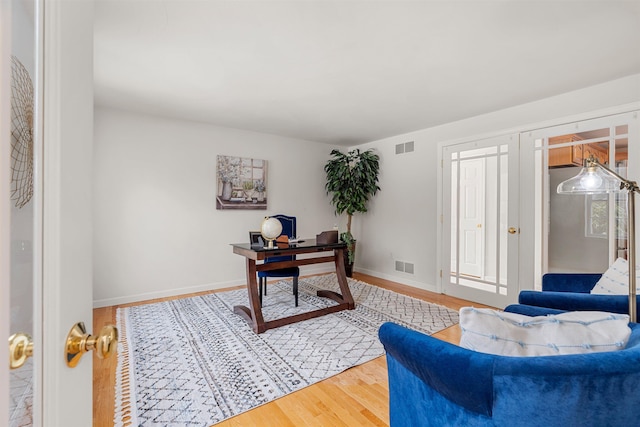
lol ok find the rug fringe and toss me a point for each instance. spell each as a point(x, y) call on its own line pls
point(123, 415)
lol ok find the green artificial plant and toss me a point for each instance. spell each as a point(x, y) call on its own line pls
point(352, 179)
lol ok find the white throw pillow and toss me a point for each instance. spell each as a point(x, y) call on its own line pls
point(511, 334)
point(615, 281)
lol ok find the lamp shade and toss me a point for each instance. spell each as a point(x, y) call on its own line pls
point(590, 180)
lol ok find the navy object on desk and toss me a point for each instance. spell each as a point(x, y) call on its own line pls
point(288, 230)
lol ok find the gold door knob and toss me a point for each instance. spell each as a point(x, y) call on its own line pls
point(20, 349)
point(79, 342)
point(513, 230)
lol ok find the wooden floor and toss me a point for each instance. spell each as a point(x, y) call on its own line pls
point(356, 397)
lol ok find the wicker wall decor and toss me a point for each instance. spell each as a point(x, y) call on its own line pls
point(21, 134)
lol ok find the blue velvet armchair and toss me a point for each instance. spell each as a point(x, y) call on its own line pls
point(570, 292)
point(435, 383)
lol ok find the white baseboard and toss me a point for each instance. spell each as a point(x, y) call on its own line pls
point(399, 279)
point(107, 302)
point(166, 293)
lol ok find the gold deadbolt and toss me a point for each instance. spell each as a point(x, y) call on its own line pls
point(20, 349)
point(513, 230)
point(79, 342)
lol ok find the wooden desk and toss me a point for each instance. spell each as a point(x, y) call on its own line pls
point(253, 253)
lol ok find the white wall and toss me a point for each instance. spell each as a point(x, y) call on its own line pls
point(402, 222)
point(157, 230)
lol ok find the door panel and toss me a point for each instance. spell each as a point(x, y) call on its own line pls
point(481, 205)
point(59, 247)
point(19, 202)
point(576, 233)
point(5, 210)
point(472, 216)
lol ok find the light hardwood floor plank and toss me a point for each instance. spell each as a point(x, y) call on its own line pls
point(356, 397)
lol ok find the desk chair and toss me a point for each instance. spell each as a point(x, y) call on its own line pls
point(289, 230)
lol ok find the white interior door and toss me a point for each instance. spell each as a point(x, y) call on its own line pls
point(472, 197)
point(51, 247)
point(480, 220)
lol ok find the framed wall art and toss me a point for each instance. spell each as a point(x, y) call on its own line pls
point(241, 183)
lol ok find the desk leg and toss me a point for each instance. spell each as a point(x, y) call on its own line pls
point(346, 296)
point(252, 315)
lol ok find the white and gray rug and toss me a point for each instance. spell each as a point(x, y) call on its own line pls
point(193, 362)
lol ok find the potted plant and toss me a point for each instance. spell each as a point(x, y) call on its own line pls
point(247, 188)
point(352, 179)
point(260, 189)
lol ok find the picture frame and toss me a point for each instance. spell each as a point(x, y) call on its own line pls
point(241, 183)
point(255, 238)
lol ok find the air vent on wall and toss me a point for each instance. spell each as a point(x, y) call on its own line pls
point(408, 147)
point(405, 147)
point(406, 267)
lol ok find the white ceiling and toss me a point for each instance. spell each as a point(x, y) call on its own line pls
point(349, 72)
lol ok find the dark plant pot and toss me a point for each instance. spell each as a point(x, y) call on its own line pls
point(348, 266)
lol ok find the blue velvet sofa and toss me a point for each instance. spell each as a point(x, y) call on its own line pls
point(435, 383)
point(570, 292)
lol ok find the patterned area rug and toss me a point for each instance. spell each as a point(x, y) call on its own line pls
point(21, 395)
point(193, 362)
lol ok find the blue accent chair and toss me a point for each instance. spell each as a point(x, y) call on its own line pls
point(570, 292)
point(435, 383)
point(288, 229)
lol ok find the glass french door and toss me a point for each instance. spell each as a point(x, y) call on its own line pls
point(480, 220)
point(577, 233)
point(19, 65)
point(45, 239)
